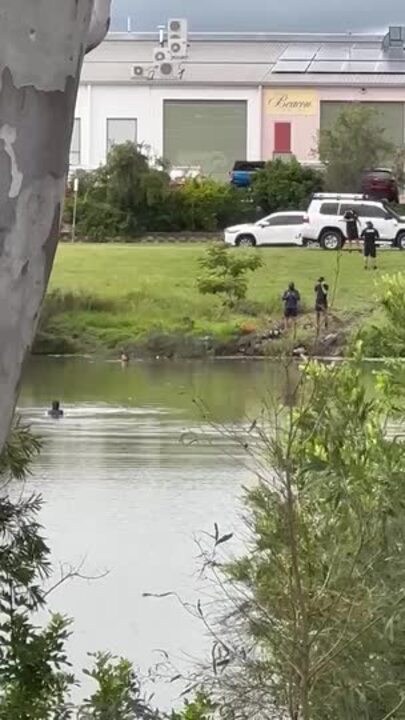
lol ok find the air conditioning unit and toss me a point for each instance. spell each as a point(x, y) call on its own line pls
point(166, 69)
point(394, 41)
point(161, 55)
point(177, 38)
point(137, 72)
point(396, 36)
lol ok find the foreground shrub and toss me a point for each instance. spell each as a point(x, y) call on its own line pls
point(225, 272)
point(312, 611)
point(36, 678)
point(385, 337)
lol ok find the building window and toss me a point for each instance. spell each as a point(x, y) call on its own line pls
point(282, 138)
point(75, 145)
point(121, 130)
point(208, 135)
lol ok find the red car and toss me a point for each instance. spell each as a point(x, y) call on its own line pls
point(380, 184)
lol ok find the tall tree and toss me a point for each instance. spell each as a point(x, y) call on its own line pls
point(356, 142)
point(41, 52)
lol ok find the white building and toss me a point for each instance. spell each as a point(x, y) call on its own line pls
point(233, 97)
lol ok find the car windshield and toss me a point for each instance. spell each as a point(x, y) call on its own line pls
point(379, 174)
point(392, 212)
point(246, 166)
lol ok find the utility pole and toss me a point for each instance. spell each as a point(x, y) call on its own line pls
point(41, 52)
point(75, 199)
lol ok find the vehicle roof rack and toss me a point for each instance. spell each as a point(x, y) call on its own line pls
point(339, 196)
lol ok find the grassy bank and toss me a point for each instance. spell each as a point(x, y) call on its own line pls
point(105, 297)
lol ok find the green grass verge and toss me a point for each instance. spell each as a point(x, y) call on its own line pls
point(110, 296)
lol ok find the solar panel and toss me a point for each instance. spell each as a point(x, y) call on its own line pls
point(291, 66)
point(333, 51)
point(273, 51)
point(300, 51)
point(323, 66)
point(390, 67)
point(365, 53)
point(359, 67)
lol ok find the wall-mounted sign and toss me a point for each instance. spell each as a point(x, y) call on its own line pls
point(291, 102)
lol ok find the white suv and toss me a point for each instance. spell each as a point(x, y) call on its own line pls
point(324, 222)
point(282, 228)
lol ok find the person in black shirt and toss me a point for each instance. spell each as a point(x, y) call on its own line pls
point(321, 303)
point(370, 236)
point(352, 230)
point(55, 411)
point(291, 299)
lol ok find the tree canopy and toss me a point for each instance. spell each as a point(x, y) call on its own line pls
point(355, 143)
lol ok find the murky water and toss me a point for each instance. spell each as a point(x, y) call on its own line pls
point(126, 492)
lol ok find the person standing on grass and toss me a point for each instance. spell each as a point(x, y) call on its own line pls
point(321, 303)
point(352, 229)
point(291, 299)
point(370, 236)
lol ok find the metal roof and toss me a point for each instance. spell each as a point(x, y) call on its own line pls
point(254, 58)
point(256, 37)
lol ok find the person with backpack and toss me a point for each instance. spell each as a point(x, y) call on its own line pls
point(321, 303)
point(370, 236)
point(291, 299)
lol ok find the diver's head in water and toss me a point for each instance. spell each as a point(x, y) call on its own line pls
point(55, 411)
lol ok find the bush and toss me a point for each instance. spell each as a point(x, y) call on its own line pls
point(208, 205)
point(386, 336)
point(100, 220)
point(225, 273)
point(127, 197)
point(308, 624)
point(285, 186)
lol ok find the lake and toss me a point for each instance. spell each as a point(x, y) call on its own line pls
point(127, 490)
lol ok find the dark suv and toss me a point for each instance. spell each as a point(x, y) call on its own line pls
point(380, 184)
point(243, 171)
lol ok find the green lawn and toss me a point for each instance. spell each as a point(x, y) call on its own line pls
point(152, 289)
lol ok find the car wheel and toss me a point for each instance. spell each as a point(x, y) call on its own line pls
point(400, 243)
point(331, 240)
point(246, 241)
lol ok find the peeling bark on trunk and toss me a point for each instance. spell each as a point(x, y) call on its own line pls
point(42, 44)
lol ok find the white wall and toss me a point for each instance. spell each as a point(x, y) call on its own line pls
point(96, 103)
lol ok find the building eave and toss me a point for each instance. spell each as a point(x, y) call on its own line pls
point(254, 37)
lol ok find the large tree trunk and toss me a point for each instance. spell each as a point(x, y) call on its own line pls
point(42, 43)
